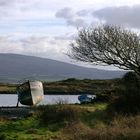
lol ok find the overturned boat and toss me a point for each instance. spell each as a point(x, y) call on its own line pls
point(30, 93)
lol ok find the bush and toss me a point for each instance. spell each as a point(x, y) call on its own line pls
point(128, 99)
point(125, 104)
point(102, 98)
point(121, 128)
point(132, 79)
point(58, 113)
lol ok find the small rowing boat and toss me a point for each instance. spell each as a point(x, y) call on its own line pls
point(30, 93)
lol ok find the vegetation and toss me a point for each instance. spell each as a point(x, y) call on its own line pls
point(114, 115)
point(121, 128)
point(71, 122)
point(126, 101)
point(71, 86)
point(47, 122)
point(7, 88)
point(75, 86)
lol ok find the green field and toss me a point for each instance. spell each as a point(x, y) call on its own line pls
point(71, 122)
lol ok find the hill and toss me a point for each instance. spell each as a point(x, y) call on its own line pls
point(14, 67)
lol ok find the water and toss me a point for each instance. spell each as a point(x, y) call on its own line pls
point(11, 99)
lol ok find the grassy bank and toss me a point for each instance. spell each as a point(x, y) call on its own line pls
point(71, 86)
point(49, 122)
point(71, 122)
point(7, 88)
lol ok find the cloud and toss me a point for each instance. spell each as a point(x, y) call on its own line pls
point(76, 22)
point(83, 13)
point(65, 13)
point(123, 15)
point(72, 17)
point(68, 36)
point(15, 2)
point(9, 8)
point(47, 47)
point(18, 9)
point(4, 3)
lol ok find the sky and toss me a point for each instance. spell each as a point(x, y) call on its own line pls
point(46, 28)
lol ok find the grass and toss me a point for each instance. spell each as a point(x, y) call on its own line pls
point(75, 86)
point(120, 128)
point(71, 122)
point(25, 129)
point(71, 86)
point(7, 88)
point(47, 123)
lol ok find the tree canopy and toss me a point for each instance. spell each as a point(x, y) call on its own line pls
point(111, 45)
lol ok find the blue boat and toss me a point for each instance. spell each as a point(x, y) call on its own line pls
point(86, 98)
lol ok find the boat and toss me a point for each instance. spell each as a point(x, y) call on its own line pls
point(86, 98)
point(30, 93)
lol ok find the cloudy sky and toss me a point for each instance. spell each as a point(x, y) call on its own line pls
point(45, 28)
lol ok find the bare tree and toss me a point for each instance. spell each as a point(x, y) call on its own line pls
point(109, 45)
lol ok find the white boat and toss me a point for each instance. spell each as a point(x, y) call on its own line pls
point(30, 93)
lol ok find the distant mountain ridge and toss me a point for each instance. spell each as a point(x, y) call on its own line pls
point(15, 67)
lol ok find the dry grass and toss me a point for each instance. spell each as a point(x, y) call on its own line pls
point(121, 128)
point(3, 120)
point(72, 122)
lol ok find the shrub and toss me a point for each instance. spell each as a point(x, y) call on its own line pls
point(102, 98)
point(132, 79)
point(121, 128)
point(128, 99)
point(58, 113)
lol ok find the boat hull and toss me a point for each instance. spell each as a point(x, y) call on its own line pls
point(30, 93)
point(85, 98)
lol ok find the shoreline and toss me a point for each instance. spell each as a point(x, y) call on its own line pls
point(49, 94)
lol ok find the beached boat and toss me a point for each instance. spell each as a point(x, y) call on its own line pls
point(86, 98)
point(30, 93)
